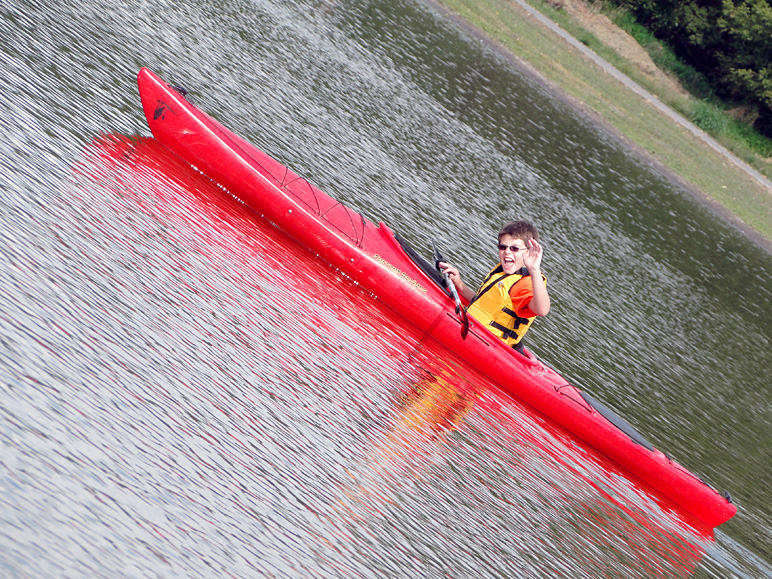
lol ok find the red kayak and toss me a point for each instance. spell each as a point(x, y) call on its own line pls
point(384, 264)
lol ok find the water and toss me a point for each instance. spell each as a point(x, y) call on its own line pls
point(187, 392)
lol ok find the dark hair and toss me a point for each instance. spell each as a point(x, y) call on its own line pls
point(519, 230)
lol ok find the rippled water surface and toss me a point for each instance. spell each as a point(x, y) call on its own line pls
point(188, 392)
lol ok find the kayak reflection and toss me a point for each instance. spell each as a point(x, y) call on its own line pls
point(520, 473)
point(433, 406)
point(447, 457)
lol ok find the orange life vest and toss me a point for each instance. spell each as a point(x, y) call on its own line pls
point(492, 305)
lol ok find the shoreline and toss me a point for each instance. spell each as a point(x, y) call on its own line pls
point(551, 31)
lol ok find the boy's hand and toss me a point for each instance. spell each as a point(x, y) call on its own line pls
point(455, 278)
point(532, 259)
point(452, 272)
point(540, 304)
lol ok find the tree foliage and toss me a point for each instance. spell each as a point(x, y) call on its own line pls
point(729, 41)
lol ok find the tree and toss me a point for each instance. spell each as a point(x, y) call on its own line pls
point(729, 41)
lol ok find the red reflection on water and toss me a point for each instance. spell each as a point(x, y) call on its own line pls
point(586, 495)
point(588, 490)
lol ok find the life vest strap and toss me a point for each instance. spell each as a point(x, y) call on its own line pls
point(518, 320)
point(484, 289)
point(522, 272)
point(505, 332)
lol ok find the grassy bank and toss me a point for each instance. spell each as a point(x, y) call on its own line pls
point(703, 169)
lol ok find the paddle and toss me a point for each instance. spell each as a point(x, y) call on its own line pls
point(460, 310)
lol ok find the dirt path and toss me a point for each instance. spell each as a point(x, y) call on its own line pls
point(591, 19)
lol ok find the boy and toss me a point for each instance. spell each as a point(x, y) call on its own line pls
point(508, 301)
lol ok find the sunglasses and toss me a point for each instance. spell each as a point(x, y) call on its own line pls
point(512, 248)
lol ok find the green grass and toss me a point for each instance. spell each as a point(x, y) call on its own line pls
point(507, 23)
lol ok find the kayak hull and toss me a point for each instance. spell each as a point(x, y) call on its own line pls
point(372, 255)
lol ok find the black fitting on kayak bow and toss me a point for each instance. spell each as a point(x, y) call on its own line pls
point(183, 92)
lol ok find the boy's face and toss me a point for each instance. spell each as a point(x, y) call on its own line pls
point(511, 259)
